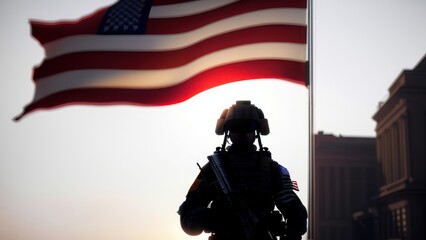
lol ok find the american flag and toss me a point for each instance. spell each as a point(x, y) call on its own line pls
point(160, 52)
point(295, 186)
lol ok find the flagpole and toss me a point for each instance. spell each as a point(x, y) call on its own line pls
point(311, 205)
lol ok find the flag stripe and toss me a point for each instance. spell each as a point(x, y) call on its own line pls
point(47, 32)
point(169, 59)
point(169, 76)
point(191, 22)
point(155, 97)
point(271, 3)
point(82, 43)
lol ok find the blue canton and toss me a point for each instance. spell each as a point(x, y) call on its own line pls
point(126, 17)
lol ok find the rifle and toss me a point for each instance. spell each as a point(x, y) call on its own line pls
point(247, 219)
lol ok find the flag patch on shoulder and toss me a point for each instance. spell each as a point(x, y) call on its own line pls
point(195, 185)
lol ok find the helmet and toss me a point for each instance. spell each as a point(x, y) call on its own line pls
point(242, 117)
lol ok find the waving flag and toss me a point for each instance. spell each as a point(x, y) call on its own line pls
point(164, 52)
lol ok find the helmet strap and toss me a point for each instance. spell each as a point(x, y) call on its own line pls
point(259, 141)
point(257, 135)
point(225, 139)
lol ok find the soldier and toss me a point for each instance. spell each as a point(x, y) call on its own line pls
point(256, 180)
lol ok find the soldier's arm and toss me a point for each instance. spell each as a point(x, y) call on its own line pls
point(194, 214)
point(290, 205)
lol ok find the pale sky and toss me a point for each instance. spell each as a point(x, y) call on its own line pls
point(121, 172)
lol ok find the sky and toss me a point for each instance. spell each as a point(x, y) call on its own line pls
point(121, 172)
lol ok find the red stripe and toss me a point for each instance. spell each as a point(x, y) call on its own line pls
point(47, 32)
point(278, 69)
point(169, 59)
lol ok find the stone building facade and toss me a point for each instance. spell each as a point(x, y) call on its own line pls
point(401, 154)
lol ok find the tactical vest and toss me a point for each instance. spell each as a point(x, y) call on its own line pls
point(251, 175)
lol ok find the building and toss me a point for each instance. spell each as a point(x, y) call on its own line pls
point(401, 154)
point(345, 182)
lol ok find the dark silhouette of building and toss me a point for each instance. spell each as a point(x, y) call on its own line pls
point(375, 188)
point(401, 154)
point(345, 182)
point(399, 209)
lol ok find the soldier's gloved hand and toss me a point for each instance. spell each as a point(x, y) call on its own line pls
point(208, 220)
point(212, 221)
point(296, 225)
point(293, 237)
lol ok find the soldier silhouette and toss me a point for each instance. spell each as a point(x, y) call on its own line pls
point(257, 184)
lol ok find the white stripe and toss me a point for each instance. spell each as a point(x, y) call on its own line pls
point(168, 77)
point(82, 43)
point(187, 8)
